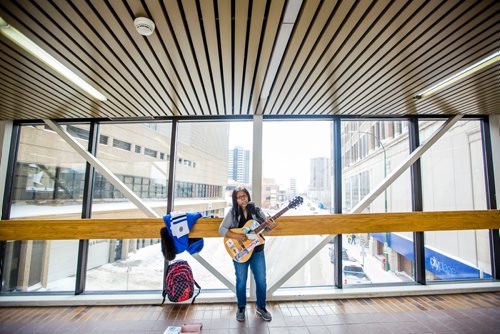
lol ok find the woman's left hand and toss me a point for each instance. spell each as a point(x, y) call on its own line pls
point(271, 224)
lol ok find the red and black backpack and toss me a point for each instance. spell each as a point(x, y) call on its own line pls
point(179, 282)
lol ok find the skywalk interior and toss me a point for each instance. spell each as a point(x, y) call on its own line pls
point(383, 116)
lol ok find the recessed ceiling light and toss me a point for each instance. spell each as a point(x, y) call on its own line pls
point(460, 75)
point(20, 39)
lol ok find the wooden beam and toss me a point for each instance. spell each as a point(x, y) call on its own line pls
point(288, 225)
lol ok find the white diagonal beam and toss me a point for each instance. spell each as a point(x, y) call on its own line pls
point(99, 166)
point(224, 280)
point(276, 285)
point(414, 156)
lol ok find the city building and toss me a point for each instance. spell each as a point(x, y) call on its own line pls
point(293, 187)
point(320, 181)
point(270, 193)
point(239, 165)
point(373, 148)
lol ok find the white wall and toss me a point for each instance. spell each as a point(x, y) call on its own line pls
point(452, 180)
point(98, 253)
point(63, 259)
point(446, 171)
point(64, 256)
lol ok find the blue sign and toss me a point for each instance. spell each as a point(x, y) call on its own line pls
point(441, 265)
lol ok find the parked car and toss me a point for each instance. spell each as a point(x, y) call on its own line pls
point(353, 269)
point(354, 273)
point(348, 279)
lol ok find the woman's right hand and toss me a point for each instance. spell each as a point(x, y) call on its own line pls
point(236, 236)
point(240, 237)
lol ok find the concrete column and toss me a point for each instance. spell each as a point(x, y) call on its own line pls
point(112, 246)
point(257, 160)
point(125, 244)
point(393, 260)
point(44, 275)
point(7, 265)
point(133, 245)
point(373, 246)
point(24, 265)
point(256, 177)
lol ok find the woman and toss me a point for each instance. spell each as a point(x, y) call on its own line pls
point(241, 212)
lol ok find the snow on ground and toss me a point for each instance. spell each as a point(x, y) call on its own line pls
point(30, 209)
point(143, 270)
point(372, 266)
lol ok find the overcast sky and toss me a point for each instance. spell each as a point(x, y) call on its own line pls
point(288, 147)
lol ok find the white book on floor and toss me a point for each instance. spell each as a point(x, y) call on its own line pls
point(172, 330)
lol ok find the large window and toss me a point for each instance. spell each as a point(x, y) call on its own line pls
point(48, 184)
point(453, 180)
point(129, 264)
point(212, 158)
point(297, 160)
point(371, 150)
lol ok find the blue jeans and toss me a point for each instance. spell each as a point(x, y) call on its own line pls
point(257, 263)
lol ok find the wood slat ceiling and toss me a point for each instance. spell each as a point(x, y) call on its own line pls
point(216, 58)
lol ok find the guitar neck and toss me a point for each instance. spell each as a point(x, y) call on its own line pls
point(276, 216)
point(279, 214)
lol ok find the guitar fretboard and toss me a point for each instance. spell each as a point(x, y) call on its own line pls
point(276, 216)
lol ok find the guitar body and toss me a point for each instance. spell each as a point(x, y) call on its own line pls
point(241, 251)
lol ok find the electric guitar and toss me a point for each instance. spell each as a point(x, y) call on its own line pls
point(241, 251)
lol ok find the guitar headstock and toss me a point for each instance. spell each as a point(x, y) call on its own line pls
point(295, 202)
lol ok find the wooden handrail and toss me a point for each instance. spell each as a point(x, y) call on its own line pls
point(289, 225)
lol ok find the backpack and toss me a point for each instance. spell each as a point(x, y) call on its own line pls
point(179, 282)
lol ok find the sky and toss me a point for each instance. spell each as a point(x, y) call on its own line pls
point(288, 147)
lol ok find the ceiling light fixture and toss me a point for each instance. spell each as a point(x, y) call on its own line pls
point(20, 39)
point(460, 75)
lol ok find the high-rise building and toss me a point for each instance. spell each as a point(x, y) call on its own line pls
point(293, 186)
point(319, 183)
point(239, 165)
point(320, 177)
point(270, 193)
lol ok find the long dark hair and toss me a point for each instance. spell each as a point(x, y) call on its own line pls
point(236, 209)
